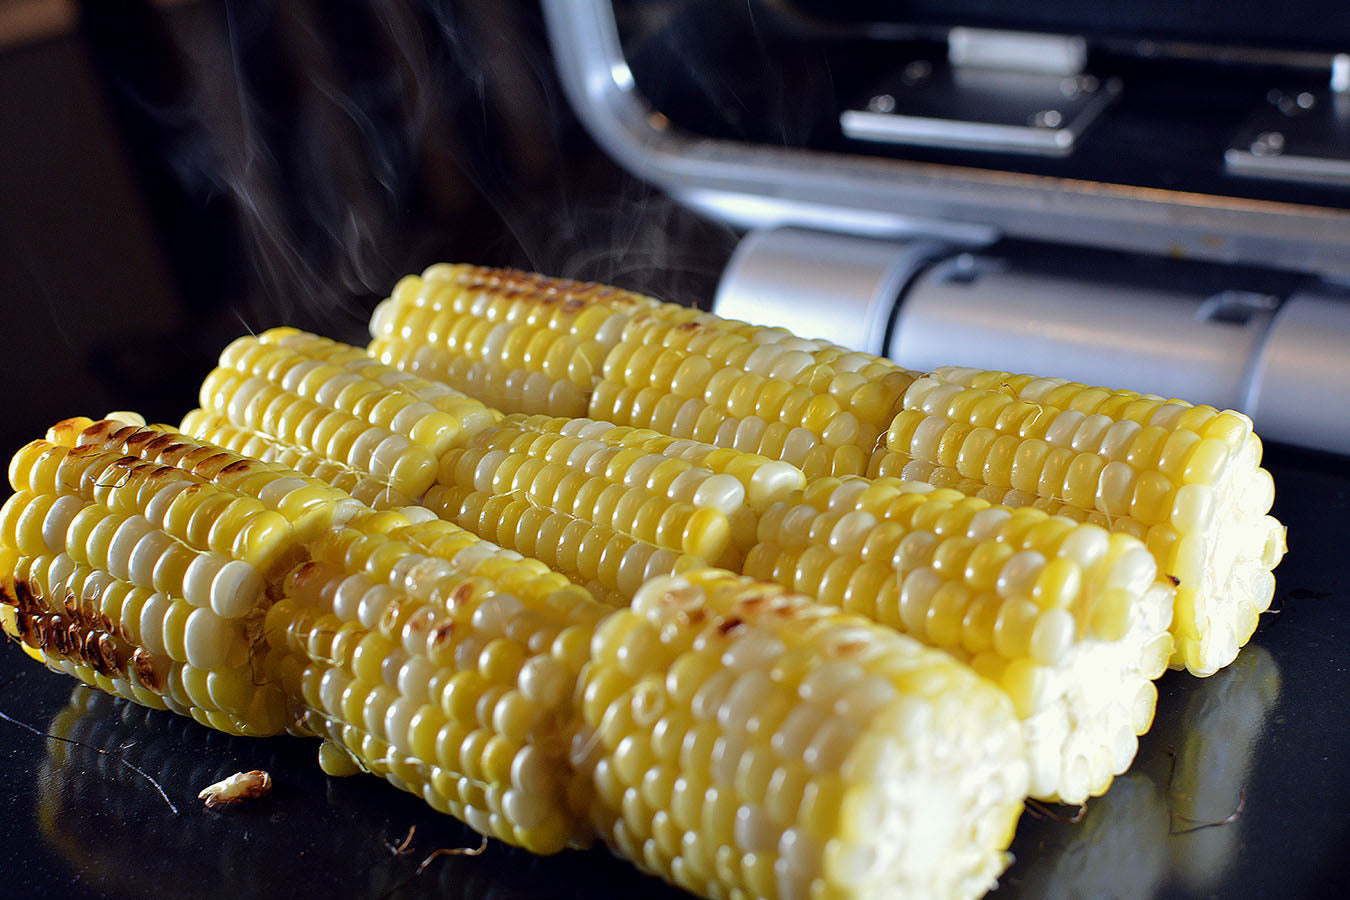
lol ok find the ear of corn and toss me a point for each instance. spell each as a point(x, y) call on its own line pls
point(747, 742)
point(813, 404)
point(518, 342)
point(1067, 618)
point(1184, 479)
point(329, 410)
point(140, 560)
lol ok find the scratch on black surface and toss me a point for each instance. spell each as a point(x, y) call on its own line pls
point(56, 737)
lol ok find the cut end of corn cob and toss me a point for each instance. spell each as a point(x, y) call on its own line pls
point(1065, 617)
point(1185, 479)
point(748, 742)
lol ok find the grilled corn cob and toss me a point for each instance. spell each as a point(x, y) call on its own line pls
point(528, 343)
point(331, 411)
point(502, 693)
point(136, 560)
point(607, 505)
point(516, 341)
point(689, 374)
point(1184, 479)
point(1067, 618)
point(749, 743)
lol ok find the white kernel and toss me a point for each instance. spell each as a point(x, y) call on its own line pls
point(635, 476)
point(413, 676)
point(544, 680)
point(58, 519)
point(236, 589)
point(158, 505)
point(124, 540)
point(332, 685)
point(207, 640)
point(328, 391)
point(487, 468)
point(201, 572)
point(145, 555)
point(347, 596)
point(373, 604)
point(771, 480)
point(722, 492)
point(985, 524)
point(851, 532)
point(397, 720)
point(152, 622)
point(747, 694)
point(1085, 545)
point(1061, 430)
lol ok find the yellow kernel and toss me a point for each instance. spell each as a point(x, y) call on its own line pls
point(1058, 585)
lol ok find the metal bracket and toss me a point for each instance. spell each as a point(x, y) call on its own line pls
point(1022, 93)
point(1299, 135)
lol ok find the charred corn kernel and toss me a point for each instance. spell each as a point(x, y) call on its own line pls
point(518, 342)
point(1067, 608)
point(147, 596)
point(830, 802)
point(1185, 476)
point(330, 411)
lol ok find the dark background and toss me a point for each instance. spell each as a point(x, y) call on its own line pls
point(174, 175)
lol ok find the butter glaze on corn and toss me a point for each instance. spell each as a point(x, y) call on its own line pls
point(1185, 479)
point(747, 742)
point(1067, 618)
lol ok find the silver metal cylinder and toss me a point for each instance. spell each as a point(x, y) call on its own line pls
point(833, 287)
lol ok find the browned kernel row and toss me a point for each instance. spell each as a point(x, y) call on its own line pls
point(518, 342)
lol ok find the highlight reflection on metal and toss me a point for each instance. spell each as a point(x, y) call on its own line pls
point(1172, 818)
